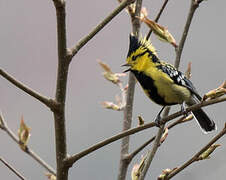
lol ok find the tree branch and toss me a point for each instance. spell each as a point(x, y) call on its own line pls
point(151, 153)
point(157, 17)
point(61, 87)
point(127, 119)
point(196, 156)
point(74, 50)
point(29, 151)
point(194, 5)
point(135, 152)
point(72, 159)
point(11, 168)
point(48, 102)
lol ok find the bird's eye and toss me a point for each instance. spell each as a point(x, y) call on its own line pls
point(133, 58)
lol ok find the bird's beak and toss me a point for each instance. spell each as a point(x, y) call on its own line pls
point(126, 65)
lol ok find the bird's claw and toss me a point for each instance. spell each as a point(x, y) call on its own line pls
point(158, 120)
point(185, 113)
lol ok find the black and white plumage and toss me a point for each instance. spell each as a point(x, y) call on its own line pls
point(162, 82)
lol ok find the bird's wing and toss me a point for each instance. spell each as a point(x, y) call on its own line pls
point(178, 77)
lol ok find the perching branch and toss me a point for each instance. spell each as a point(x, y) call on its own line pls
point(74, 50)
point(196, 156)
point(48, 102)
point(72, 159)
point(28, 150)
point(139, 149)
point(12, 169)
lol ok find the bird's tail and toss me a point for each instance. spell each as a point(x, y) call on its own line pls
point(204, 121)
point(202, 118)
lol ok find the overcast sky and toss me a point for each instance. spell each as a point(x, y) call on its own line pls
point(28, 52)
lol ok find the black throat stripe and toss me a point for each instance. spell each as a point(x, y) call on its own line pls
point(148, 84)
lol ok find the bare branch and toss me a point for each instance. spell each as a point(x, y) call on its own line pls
point(135, 152)
point(28, 150)
point(196, 156)
point(127, 119)
point(72, 159)
point(61, 87)
point(179, 49)
point(12, 169)
point(157, 17)
point(151, 153)
point(74, 50)
point(48, 102)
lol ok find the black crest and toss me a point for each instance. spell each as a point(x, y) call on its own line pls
point(134, 44)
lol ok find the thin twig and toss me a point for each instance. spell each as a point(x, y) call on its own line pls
point(74, 50)
point(28, 150)
point(157, 17)
point(161, 10)
point(135, 152)
point(196, 156)
point(72, 159)
point(151, 153)
point(48, 102)
point(127, 119)
point(190, 16)
point(11, 168)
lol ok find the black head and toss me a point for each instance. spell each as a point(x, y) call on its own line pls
point(134, 44)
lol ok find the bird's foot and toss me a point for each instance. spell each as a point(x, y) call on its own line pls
point(185, 113)
point(158, 120)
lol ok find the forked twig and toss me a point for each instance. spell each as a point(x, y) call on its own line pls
point(29, 151)
point(196, 156)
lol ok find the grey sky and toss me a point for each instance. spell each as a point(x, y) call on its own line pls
point(28, 52)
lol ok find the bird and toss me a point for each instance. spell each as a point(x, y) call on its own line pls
point(162, 82)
